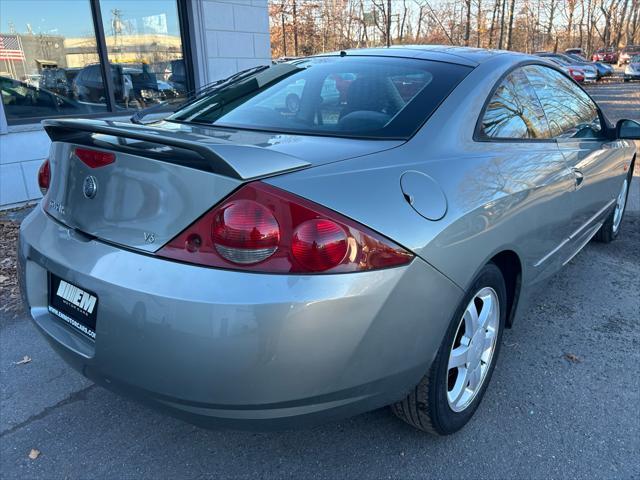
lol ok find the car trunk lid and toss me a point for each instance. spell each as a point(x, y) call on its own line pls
point(165, 177)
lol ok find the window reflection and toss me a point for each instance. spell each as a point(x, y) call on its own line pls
point(569, 110)
point(514, 111)
point(44, 44)
point(49, 62)
point(145, 51)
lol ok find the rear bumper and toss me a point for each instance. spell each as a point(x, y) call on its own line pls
point(243, 350)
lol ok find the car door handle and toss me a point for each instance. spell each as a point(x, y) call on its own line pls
point(579, 177)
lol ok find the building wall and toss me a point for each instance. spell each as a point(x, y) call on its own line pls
point(226, 36)
point(233, 35)
point(21, 154)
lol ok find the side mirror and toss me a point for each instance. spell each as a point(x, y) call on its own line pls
point(628, 129)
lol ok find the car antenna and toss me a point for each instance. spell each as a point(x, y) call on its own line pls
point(343, 53)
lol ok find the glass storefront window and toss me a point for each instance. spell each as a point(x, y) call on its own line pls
point(50, 62)
point(145, 51)
point(44, 46)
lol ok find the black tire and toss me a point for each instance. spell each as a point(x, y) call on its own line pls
point(426, 407)
point(607, 233)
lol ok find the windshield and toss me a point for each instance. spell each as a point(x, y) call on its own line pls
point(373, 97)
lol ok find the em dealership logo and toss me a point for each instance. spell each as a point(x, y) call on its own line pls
point(90, 186)
point(76, 296)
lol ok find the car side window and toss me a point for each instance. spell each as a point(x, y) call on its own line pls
point(514, 111)
point(569, 110)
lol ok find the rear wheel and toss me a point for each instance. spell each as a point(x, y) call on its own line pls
point(448, 395)
point(611, 227)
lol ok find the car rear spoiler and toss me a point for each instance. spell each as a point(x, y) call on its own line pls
point(243, 162)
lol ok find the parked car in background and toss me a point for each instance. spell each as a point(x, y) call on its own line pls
point(59, 80)
point(602, 69)
point(606, 55)
point(576, 51)
point(88, 86)
point(632, 70)
point(333, 93)
point(22, 100)
point(579, 72)
point(627, 52)
point(576, 74)
point(134, 85)
point(175, 74)
point(240, 264)
point(589, 68)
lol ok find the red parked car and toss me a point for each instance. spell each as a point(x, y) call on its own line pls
point(606, 55)
point(577, 75)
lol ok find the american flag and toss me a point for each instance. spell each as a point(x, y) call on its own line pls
point(11, 48)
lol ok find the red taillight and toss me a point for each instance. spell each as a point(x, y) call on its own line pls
point(245, 232)
point(319, 244)
point(264, 229)
point(44, 177)
point(577, 75)
point(94, 158)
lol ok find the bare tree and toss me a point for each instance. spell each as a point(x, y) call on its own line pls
point(502, 26)
point(467, 25)
point(304, 27)
point(511, 13)
point(496, 7)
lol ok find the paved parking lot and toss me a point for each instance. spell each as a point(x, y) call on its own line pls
point(620, 100)
point(564, 400)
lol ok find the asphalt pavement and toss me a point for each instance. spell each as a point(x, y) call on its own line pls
point(564, 401)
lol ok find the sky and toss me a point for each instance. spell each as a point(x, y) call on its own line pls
point(72, 18)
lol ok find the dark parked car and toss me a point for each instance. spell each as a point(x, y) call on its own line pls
point(176, 75)
point(132, 83)
point(59, 80)
point(607, 55)
point(22, 100)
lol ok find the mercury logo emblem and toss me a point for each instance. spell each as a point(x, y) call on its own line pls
point(90, 186)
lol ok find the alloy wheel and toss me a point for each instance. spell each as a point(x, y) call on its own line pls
point(472, 349)
point(620, 204)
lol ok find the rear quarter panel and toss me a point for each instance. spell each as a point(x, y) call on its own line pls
point(512, 197)
point(367, 189)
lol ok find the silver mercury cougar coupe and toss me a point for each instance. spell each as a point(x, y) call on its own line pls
point(323, 237)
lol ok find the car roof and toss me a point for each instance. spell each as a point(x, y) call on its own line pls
point(468, 56)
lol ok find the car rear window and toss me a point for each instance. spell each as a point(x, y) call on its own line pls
point(371, 97)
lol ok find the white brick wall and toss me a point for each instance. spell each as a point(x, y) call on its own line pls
point(21, 154)
point(233, 35)
point(227, 35)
